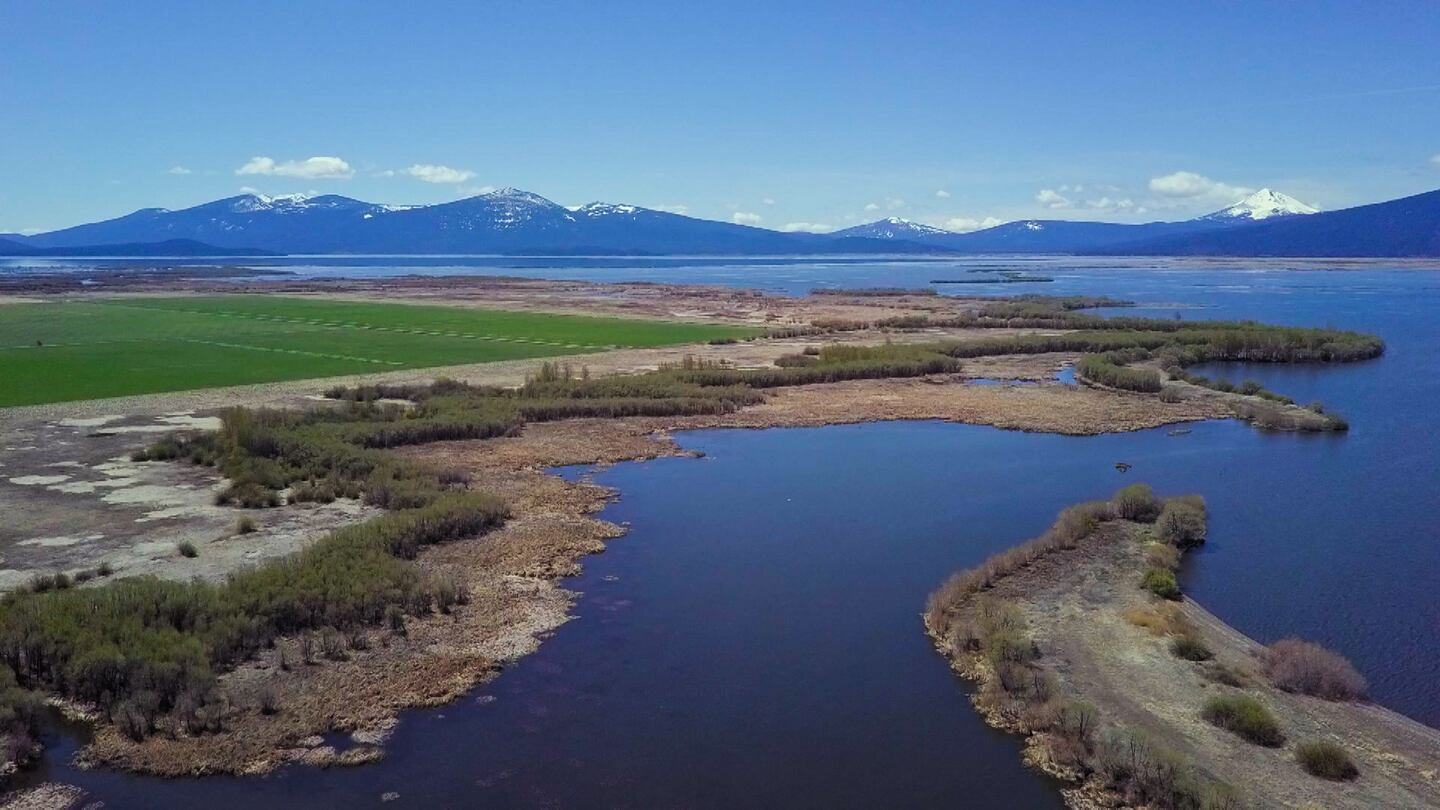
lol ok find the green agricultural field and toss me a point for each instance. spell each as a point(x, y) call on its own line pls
point(56, 352)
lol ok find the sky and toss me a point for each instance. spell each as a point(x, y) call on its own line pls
point(797, 116)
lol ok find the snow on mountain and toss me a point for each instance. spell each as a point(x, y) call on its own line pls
point(510, 208)
point(1263, 204)
point(893, 228)
point(602, 209)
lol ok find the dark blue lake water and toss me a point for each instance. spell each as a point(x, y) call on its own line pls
point(755, 640)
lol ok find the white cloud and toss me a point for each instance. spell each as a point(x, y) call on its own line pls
point(943, 194)
point(312, 168)
point(966, 224)
point(894, 203)
point(745, 218)
point(806, 227)
point(872, 207)
point(1076, 189)
point(1107, 204)
point(1190, 185)
point(678, 208)
point(1050, 198)
point(432, 173)
point(1435, 160)
point(249, 190)
point(178, 170)
point(768, 201)
point(473, 191)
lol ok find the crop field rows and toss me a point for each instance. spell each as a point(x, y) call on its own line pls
point(54, 352)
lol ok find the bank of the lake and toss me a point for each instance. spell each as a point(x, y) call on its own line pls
point(871, 518)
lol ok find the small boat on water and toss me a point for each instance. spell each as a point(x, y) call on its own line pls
point(1180, 432)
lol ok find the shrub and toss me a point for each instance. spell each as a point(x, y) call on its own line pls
point(1161, 582)
point(395, 620)
point(1245, 717)
point(1105, 370)
point(1161, 555)
point(267, 699)
point(1137, 502)
point(1219, 673)
point(1146, 774)
point(1326, 760)
point(105, 569)
point(332, 644)
point(40, 583)
point(1182, 522)
point(1309, 669)
point(187, 549)
point(1191, 648)
point(448, 591)
point(246, 525)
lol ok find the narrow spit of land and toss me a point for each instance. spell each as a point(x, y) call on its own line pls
point(455, 572)
point(1080, 641)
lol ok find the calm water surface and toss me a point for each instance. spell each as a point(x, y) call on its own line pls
point(755, 640)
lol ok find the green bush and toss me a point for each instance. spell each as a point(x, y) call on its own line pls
point(1105, 369)
point(246, 525)
point(187, 549)
point(1161, 582)
point(1245, 717)
point(1326, 760)
point(1137, 502)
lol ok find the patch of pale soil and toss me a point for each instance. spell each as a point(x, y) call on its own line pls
point(132, 516)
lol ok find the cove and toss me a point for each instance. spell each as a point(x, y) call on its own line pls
point(755, 640)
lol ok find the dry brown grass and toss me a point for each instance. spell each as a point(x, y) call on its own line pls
point(1162, 619)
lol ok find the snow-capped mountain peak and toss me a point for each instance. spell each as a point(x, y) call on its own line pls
point(515, 196)
point(1263, 204)
point(263, 202)
point(892, 228)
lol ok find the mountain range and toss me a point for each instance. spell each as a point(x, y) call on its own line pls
point(510, 221)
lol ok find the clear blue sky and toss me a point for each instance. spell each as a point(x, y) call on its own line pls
point(828, 113)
